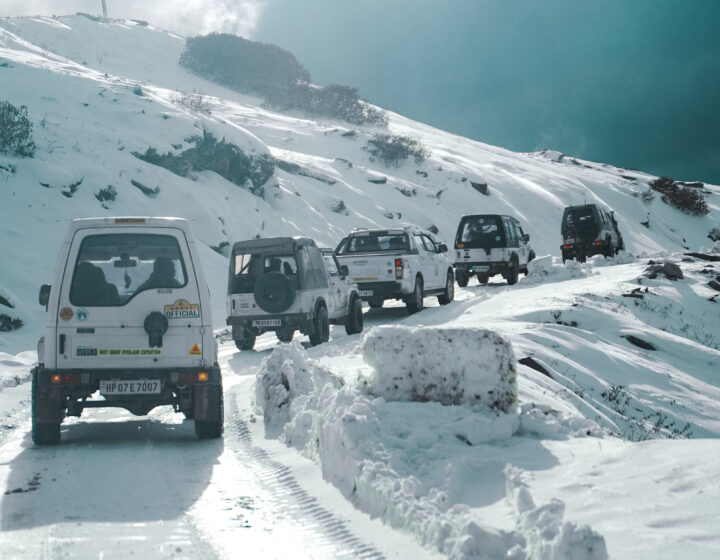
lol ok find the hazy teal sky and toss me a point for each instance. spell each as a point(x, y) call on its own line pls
point(630, 82)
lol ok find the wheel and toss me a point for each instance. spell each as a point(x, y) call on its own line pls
point(415, 301)
point(449, 294)
point(44, 433)
point(354, 320)
point(274, 292)
point(512, 272)
point(461, 277)
point(321, 327)
point(376, 303)
point(285, 334)
point(212, 429)
point(565, 257)
point(531, 256)
point(247, 342)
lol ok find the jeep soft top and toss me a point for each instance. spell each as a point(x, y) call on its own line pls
point(128, 315)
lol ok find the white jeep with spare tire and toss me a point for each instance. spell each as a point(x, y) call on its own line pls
point(128, 317)
point(288, 284)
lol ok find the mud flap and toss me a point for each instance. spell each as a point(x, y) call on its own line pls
point(208, 403)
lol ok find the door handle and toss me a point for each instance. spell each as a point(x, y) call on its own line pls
point(61, 344)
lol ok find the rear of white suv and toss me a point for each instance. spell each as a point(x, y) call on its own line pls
point(128, 316)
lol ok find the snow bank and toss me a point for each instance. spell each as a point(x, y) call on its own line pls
point(369, 449)
point(547, 536)
point(15, 369)
point(543, 269)
point(451, 365)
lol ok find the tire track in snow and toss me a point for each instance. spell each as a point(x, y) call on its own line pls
point(332, 534)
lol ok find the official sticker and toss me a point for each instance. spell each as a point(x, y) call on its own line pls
point(85, 351)
point(82, 314)
point(133, 352)
point(129, 221)
point(182, 309)
point(66, 313)
point(195, 349)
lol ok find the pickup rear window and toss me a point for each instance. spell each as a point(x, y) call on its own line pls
point(373, 243)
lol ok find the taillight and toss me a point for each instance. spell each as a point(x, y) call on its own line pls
point(567, 246)
point(185, 377)
point(399, 269)
point(598, 243)
point(69, 378)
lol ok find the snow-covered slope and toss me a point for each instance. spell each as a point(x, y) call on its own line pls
point(569, 473)
point(77, 77)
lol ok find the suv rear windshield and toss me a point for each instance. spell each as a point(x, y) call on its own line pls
point(480, 232)
point(248, 267)
point(373, 243)
point(112, 268)
point(575, 217)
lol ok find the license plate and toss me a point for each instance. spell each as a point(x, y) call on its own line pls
point(267, 323)
point(134, 387)
point(481, 268)
point(365, 293)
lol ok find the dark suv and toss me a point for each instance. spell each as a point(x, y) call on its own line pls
point(589, 230)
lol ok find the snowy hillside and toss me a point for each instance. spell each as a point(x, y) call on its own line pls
point(602, 455)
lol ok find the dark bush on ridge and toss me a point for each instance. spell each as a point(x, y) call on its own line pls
point(391, 149)
point(686, 199)
point(276, 75)
point(15, 131)
point(224, 158)
point(242, 65)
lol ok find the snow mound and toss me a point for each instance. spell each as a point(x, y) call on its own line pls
point(451, 365)
point(547, 536)
point(543, 269)
point(15, 369)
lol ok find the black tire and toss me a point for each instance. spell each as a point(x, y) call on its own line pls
point(512, 272)
point(285, 334)
point(461, 277)
point(274, 292)
point(531, 256)
point(483, 278)
point(565, 257)
point(212, 429)
point(376, 303)
point(247, 342)
point(44, 433)
point(321, 327)
point(449, 294)
point(354, 320)
point(415, 302)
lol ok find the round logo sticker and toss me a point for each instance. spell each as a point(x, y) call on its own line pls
point(82, 314)
point(66, 313)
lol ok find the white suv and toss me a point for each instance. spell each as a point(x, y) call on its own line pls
point(284, 284)
point(490, 244)
point(403, 263)
point(128, 315)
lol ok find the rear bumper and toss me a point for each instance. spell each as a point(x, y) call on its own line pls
point(381, 290)
point(488, 268)
point(576, 250)
point(79, 378)
point(295, 321)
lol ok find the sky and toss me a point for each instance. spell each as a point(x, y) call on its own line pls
point(635, 84)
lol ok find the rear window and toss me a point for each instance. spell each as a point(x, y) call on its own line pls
point(112, 268)
point(248, 267)
point(481, 232)
point(578, 216)
point(373, 243)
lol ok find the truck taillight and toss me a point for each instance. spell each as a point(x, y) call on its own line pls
point(70, 378)
point(399, 269)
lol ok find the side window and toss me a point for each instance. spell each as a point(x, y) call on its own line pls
point(330, 265)
point(316, 275)
point(428, 244)
point(519, 233)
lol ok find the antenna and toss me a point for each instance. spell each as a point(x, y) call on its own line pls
point(104, 7)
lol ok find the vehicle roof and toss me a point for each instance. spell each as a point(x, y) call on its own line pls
point(389, 231)
point(129, 222)
point(281, 244)
point(489, 216)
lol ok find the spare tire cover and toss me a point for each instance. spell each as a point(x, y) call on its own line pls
point(274, 292)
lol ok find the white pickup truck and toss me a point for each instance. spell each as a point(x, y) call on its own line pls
point(405, 263)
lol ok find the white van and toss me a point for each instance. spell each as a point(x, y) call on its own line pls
point(128, 317)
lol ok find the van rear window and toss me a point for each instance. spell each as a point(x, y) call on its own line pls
point(111, 269)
